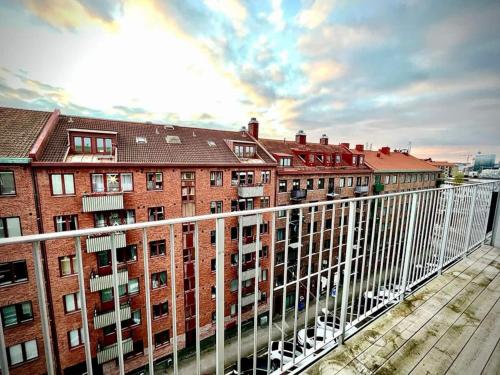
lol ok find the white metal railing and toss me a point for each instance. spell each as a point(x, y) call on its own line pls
point(346, 260)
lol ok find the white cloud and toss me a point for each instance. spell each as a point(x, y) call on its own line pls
point(316, 14)
point(233, 10)
point(276, 16)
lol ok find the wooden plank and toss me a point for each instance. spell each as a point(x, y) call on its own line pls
point(442, 355)
point(493, 364)
point(344, 358)
point(475, 355)
point(376, 356)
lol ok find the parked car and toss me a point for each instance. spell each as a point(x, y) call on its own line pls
point(333, 323)
point(285, 347)
point(387, 295)
point(306, 337)
point(247, 366)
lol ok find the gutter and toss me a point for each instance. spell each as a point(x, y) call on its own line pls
point(7, 160)
point(41, 164)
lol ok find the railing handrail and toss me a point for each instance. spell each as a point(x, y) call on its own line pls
point(224, 215)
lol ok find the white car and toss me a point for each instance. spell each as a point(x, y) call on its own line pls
point(388, 294)
point(333, 323)
point(278, 347)
point(306, 338)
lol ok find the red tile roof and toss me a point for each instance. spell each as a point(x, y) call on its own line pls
point(19, 129)
point(193, 149)
point(396, 162)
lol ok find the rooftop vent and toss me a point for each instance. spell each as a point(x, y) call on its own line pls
point(157, 131)
point(148, 122)
point(211, 143)
point(141, 140)
point(70, 119)
point(172, 139)
point(168, 127)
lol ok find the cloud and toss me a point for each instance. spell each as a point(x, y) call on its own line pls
point(276, 16)
point(233, 10)
point(316, 14)
point(323, 71)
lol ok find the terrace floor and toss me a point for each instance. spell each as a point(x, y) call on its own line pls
point(449, 326)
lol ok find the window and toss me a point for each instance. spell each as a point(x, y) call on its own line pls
point(285, 162)
point(72, 302)
point(62, 184)
point(75, 337)
point(234, 233)
point(361, 159)
point(242, 204)
point(265, 177)
point(112, 182)
point(349, 181)
point(321, 183)
point(354, 160)
point(22, 352)
point(162, 338)
point(160, 310)
point(263, 275)
point(242, 178)
point(280, 234)
point(337, 159)
point(233, 309)
point(7, 183)
point(213, 264)
point(77, 141)
point(281, 214)
point(10, 227)
point(133, 286)
point(244, 151)
point(65, 222)
point(264, 202)
point(358, 181)
point(13, 272)
point(126, 254)
point(154, 181)
point(282, 186)
point(127, 181)
point(341, 182)
point(67, 265)
point(213, 291)
point(216, 178)
point(156, 213)
point(87, 145)
point(157, 248)
point(310, 184)
point(159, 279)
point(15, 314)
point(295, 184)
point(215, 207)
point(394, 179)
point(386, 179)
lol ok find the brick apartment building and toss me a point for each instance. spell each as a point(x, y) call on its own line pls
point(447, 169)
point(397, 170)
point(59, 173)
point(311, 172)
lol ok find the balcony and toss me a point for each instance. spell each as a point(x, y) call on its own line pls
point(249, 299)
point(110, 352)
point(250, 191)
point(361, 189)
point(102, 202)
point(104, 319)
point(249, 220)
point(298, 194)
point(98, 282)
point(249, 245)
point(248, 274)
point(101, 243)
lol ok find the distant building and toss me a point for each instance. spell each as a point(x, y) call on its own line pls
point(490, 174)
point(448, 169)
point(484, 161)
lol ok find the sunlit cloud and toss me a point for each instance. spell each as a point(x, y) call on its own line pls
point(316, 14)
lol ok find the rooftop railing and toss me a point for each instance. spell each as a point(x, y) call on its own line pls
point(357, 258)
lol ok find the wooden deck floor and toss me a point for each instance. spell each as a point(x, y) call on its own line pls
point(450, 326)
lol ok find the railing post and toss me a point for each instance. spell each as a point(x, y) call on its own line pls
point(3, 352)
point(445, 229)
point(409, 243)
point(219, 297)
point(174, 298)
point(116, 298)
point(147, 286)
point(83, 306)
point(347, 270)
point(470, 219)
point(42, 303)
point(495, 235)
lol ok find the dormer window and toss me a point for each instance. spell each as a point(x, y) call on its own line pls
point(104, 145)
point(311, 158)
point(361, 160)
point(320, 158)
point(244, 151)
point(285, 161)
point(337, 159)
point(354, 160)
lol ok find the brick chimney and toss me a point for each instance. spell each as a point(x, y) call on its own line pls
point(300, 137)
point(253, 128)
point(346, 145)
point(385, 150)
point(360, 148)
point(324, 139)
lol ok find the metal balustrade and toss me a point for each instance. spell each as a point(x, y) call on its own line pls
point(347, 261)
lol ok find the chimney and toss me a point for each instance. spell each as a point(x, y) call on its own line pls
point(360, 148)
point(323, 140)
point(378, 154)
point(346, 145)
point(300, 137)
point(385, 150)
point(253, 128)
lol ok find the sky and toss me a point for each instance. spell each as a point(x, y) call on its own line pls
point(366, 72)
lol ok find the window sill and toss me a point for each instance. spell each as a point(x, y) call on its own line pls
point(71, 348)
point(161, 346)
point(8, 195)
point(20, 324)
point(14, 283)
point(24, 362)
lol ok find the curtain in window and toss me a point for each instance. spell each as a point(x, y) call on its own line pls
point(69, 185)
point(56, 184)
point(31, 350)
point(126, 180)
point(16, 354)
point(97, 183)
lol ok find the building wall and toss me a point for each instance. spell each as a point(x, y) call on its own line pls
point(139, 200)
point(22, 205)
point(399, 185)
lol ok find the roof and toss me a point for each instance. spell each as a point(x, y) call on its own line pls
point(19, 129)
point(396, 162)
point(193, 148)
point(441, 163)
point(286, 148)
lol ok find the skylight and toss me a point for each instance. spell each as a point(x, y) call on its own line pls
point(141, 140)
point(172, 139)
point(211, 143)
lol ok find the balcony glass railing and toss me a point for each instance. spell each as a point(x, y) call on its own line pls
point(377, 249)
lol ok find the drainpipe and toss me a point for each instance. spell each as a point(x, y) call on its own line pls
point(39, 221)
